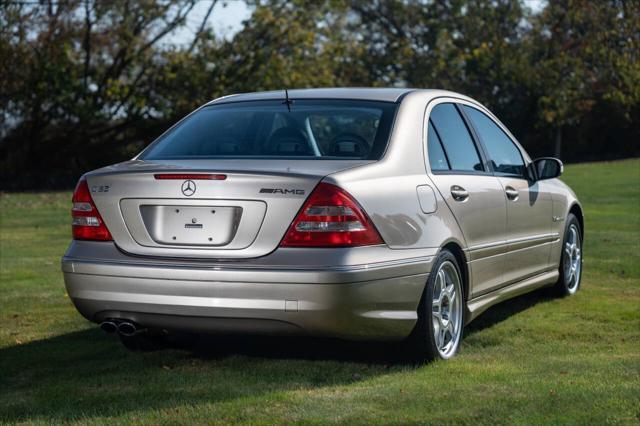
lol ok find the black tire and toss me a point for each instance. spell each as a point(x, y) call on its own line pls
point(423, 344)
point(569, 282)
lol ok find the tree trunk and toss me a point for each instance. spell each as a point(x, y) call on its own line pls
point(558, 143)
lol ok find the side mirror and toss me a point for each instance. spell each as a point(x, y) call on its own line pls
point(548, 168)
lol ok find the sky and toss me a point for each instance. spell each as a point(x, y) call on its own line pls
point(226, 20)
point(227, 16)
point(535, 5)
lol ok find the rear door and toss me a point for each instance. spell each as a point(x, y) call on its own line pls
point(529, 206)
point(473, 194)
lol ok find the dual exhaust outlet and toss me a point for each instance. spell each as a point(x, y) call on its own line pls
point(123, 327)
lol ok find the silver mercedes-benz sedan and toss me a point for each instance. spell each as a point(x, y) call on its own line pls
point(386, 214)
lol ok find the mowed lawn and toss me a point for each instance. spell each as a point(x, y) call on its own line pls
point(535, 359)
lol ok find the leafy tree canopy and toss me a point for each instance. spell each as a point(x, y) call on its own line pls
point(85, 83)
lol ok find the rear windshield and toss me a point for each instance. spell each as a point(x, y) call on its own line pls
point(314, 129)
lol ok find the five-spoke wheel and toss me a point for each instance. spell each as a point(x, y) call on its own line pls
point(446, 308)
point(441, 313)
point(572, 262)
point(571, 257)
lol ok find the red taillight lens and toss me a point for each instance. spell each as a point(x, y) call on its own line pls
point(187, 176)
point(331, 218)
point(87, 224)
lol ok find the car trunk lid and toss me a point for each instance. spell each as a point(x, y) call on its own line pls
point(245, 214)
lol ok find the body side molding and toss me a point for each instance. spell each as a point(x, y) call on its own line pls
point(480, 304)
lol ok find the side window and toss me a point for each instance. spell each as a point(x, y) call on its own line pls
point(437, 157)
point(503, 153)
point(456, 140)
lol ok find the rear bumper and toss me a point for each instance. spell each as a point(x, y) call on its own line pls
point(325, 296)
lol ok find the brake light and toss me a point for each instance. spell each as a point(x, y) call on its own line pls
point(331, 218)
point(87, 224)
point(187, 176)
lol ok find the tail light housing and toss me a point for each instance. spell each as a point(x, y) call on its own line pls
point(331, 218)
point(87, 224)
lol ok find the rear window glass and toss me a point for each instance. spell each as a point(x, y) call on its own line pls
point(458, 145)
point(437, 157)
point(317, 129)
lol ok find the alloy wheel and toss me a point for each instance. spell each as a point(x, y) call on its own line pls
point(446, 308)
point(572, 259)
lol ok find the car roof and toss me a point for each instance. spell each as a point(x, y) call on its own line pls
point(359, 93)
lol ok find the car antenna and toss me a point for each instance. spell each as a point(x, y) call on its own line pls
point(287, 101)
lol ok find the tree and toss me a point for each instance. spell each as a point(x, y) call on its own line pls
point(473, 47)
point(78, 75)
point(284, 45)
point(584, 54)
point(85, 83)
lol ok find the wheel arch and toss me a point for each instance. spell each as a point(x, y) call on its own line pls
point(576, 209)
point(460, 256)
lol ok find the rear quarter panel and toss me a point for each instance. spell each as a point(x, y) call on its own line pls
point(387, 189)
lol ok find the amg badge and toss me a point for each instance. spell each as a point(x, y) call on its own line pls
point(281, 191)
point(100, 188)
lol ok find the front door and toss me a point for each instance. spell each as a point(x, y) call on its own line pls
point(529, 212)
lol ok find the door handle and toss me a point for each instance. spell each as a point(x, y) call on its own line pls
point(459, 193)
point(512, 193)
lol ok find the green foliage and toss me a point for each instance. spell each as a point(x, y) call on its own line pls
point(78, 83)
point(473, 47)
point(86, 83)
point(584, 53)
point(584, 59)
point(282, 46)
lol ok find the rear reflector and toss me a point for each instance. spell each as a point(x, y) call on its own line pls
point(331, 218)
point(87, 224)
point(189, 176)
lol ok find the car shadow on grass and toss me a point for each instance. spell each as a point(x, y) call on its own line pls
point(86, 375)
point(301, 348)
point(507, 309)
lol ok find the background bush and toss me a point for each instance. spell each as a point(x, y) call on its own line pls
point(86, 83)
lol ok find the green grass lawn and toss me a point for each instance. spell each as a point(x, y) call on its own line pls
point(535, 359)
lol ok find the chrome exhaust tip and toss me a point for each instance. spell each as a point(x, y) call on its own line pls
point(127, 329)
point(109, 326)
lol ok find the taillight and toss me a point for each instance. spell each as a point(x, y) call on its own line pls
point(331, 218)
point(87, 224)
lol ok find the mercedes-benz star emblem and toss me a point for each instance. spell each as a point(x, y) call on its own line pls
point(188, 188)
